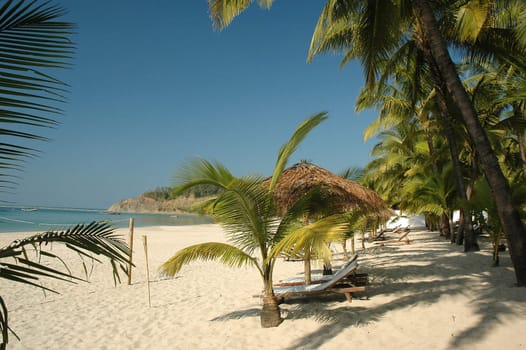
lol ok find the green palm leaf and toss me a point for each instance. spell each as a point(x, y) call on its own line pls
point(30, 40)
point(223, 12)
point(202, 172)
point(222, 252)
point(313, 238)
point(242, 212)
point(94, 239)
point(286, 150)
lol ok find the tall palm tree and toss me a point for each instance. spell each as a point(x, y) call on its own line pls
point(509, 215)
point(247, 211)
point(32, 42)
point(373, 30)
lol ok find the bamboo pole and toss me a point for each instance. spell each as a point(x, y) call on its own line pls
point(130, 262)
point(145, 244)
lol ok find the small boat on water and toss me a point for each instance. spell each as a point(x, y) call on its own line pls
point(29, 209)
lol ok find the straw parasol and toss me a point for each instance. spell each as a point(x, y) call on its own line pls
point(345, 195)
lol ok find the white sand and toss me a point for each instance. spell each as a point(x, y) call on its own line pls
point(426, 295)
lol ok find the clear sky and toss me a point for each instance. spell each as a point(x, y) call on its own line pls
point(154, 85)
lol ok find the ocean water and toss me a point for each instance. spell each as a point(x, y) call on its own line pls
point(23, 219)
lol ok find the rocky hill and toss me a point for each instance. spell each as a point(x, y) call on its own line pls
point(145, 204)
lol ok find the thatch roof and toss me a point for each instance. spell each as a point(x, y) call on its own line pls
point(302, 177)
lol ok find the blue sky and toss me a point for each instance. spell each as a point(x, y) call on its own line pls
point(153, 85)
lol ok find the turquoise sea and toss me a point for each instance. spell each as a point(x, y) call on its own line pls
point(26, 219)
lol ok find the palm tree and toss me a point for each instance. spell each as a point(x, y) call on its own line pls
point(248, 212)
point(31, 41)
point(509, 215)
point(371, 31)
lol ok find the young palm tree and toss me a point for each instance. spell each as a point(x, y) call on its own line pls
point(247, 211)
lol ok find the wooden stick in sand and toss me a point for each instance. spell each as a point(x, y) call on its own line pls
point(145, 244)
point(130, 263)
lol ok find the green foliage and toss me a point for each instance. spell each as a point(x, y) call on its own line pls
point(225, 253)
point(168, 193)
point(30, 41)
point(223, 12)
point(247, 212)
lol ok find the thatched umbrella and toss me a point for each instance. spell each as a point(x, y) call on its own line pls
point(345, 194)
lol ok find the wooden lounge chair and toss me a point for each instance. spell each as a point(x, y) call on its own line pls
point(403, 232)
point(380, 235)
point(359, 279)
point(337, 283)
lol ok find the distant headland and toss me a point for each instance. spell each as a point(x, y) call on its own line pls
point(162, 200)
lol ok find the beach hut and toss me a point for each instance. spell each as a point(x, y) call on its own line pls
point(345, 195)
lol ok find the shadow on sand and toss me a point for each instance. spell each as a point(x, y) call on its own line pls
point(412, 276)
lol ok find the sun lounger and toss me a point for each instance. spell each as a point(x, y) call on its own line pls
point(337, 283)
point(359, 279)
point(380, 235)
point(403, 232)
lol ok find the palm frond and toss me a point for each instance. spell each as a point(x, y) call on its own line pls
point(4, 325)
point(96, 238)
point(243, 212)
point(223, 12)
point(201, 172)
point(352, 173)
point(471, 18)
point(222, 252)
point(30, 40)
point(287, 149)
point(313, 238)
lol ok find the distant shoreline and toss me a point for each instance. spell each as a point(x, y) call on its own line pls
point(51, 208)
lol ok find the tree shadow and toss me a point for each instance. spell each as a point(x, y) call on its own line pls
point(411, 276)
point(236, 315)
point(416, 276)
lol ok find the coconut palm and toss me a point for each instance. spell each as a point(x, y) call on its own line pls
point(247, 210)
point(371, 31)
point(32, 41)
point(508, 213)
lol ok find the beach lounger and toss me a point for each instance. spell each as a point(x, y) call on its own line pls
point(380, 235)
point(338, 283)
point(403, 232)
point(359, 279)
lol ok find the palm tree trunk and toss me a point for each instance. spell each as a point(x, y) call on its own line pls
point(270, 312)
point(465, 231)
point(306, 262)
point(508, 214)
point(520, 137)
point(451, 227)
point(344, 248)
point(444, 226)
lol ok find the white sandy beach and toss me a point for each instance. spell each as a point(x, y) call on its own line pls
point(425, 295)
